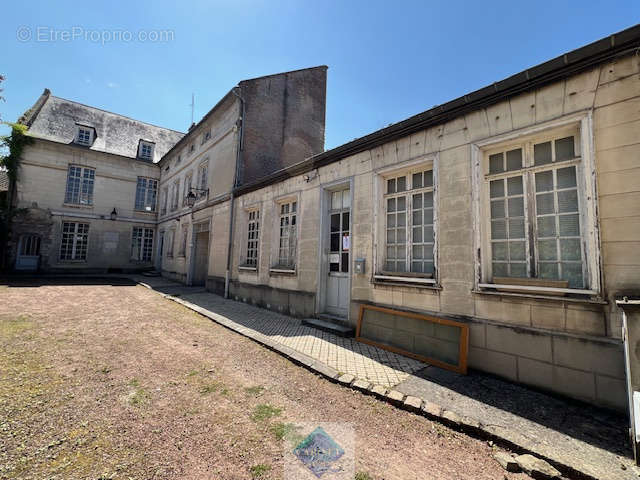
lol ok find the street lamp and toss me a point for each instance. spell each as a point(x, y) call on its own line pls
point(191, 197)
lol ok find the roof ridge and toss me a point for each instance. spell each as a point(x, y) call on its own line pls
point(282, 73)
point(116, 114)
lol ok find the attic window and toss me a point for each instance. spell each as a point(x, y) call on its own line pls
point(206, 136)
point(84, 136)
point(192, 148)
point(145, 150)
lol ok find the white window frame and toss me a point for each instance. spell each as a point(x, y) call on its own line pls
point(142, 244)
point(251, 239)
point(145, 150)
point(421, 164)
point(149, 194)
point(587, 199)
point(85, 185)
point(277, 265)
point(79, 238)
point(84, 135)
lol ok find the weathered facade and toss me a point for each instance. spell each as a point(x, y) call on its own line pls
point(513, 209)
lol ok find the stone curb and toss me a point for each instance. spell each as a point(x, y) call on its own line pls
point(426, 408)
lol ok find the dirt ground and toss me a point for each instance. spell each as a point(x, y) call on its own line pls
point(114, 382)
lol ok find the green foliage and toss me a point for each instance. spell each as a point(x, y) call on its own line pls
point(264, 411)
point(15, 144)
point(363, 476)
point(257, 471)
point(254, 391)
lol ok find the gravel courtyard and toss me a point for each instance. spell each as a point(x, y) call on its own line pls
point(111, 381)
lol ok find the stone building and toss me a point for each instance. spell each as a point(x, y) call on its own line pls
point(512, 210)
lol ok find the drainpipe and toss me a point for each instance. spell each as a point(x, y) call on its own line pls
point(227, 276)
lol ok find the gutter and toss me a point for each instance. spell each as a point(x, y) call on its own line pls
point(227, 275)
point(583, 58)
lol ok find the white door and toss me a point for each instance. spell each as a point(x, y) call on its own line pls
point(28, 253)
point(338, 256)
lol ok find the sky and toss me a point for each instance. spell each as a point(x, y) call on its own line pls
point(387, 60)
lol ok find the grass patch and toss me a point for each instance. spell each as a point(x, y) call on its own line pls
point(264, 411)
point(138, 395)
point(192, 373)
point(257, 471)
point(212, 387)
point(362, 476)
point(255, 391)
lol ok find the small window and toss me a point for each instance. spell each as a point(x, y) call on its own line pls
point(253, 234)
point(145, 151)
point(178, 159)
point(84, 136)
point(206, 136)
point(203, 179)
point(192, 148)
point(187, 188)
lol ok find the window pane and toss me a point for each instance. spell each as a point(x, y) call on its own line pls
point(514, 186)
point(542, 153)
point(417, 180)
point(514, 159)
point(428, 216)
point(499, 251)
point(417, 217)
point(391, 185)
point(498, 229)
point(391, 236)
point(335, 222)
point(416, 267)
point(566, 177)
point(391, 220)
point(516, 207)
point(336, 200)
point(518, 270)
point(500, 270)
point(496, 163)
point(547, 226)
point(516, 251)
point(402, 220)
point(335, 242)
point(417, 235)
point(544, 203)
point(496, 188)
point(568, 201)
point(346, 198)
point(428, 234)
point(544, 181)
point(573, 273)
point(417, 201)
point(428, 178)
point(564, 149)
point(391, 205)
point(569, 225)
point(547, 250)
point(401, 184)
point(417, 252)
point(570, 249)
point(401, 235)
point(345, 221)
point(549, 270)
point(428, 199)
point(497, 209)
point(401, 204)
point(516, 228)
point(345, 262)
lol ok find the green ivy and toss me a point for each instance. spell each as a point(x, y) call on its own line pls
point(15, 144)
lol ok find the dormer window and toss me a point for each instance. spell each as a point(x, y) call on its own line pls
point(84, 135)
point(206, 136)
point(145, 150)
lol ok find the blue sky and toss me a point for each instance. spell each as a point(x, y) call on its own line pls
point(387, 60)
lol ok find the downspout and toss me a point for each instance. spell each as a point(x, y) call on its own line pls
point(227, 276)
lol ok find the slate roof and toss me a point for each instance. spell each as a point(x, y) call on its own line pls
point(54, 118)
point(4, 181)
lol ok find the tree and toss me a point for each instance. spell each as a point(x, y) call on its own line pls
point(2, 79)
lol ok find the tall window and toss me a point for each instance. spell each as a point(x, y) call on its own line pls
point(535, 209)
point(165, 199)
point(175, 195)
point(187, 188)
point(146, 192)
point(183, 241)
point(253, 234)
point(75, 239)
point(203, 174)
point(80, 185)
point(171, 237)
point(288, 235)
point(142, 244)
point(409, 232)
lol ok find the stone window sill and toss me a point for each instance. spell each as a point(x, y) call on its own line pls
point(86, 206)
point(282, 271)
point(524, 295)
point(248, 268)
point(407, 284)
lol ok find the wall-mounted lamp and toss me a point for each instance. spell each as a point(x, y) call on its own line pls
point(310, 176)
point(191, 197)
point(114, 213)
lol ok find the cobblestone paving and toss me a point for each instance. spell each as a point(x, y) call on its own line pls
point(344, 354)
